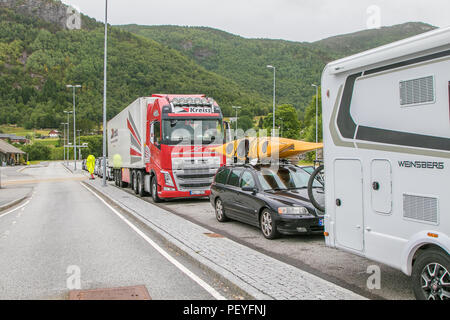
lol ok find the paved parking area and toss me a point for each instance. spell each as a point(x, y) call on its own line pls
point(307, 252)
point(257, 273)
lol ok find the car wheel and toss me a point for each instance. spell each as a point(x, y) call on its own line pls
point(155, 196)
point(268, 225)
point(140, 184)
point(220, 211)
point(430, 276)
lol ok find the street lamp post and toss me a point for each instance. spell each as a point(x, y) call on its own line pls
point(68, 135)
point(74, 126)
point(274, 92)
point(79, 144)
point(236, 108)
point(104, 92)
point(64, 124)
point(317, 114)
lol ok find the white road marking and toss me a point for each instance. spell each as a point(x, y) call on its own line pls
point(22, 206)
point(186, 271)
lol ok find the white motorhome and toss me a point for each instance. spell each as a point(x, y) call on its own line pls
point(387, 158)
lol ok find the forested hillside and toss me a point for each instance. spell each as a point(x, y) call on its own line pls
point(38, 58)
point(244, 60)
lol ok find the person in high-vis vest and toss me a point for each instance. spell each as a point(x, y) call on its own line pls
point(90, 165)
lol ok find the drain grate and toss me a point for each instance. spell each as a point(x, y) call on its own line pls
point(124, 293)
point(213, 235)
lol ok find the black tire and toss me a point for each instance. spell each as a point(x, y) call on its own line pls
point(220, 211)
point(154, 187)
point(310, 188)
point(428, 262)
point(140, 184)
point(134, 182)
point(268, 225)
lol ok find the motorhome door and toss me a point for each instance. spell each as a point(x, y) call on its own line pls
point(349, 204)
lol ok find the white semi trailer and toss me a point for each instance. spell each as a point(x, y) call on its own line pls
point(386, 118)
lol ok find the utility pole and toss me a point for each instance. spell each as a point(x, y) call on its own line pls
point(74, 126)
point(236, 108)
point(68, 135)
point(104, 92)
point(274, 95)
point(64, 141)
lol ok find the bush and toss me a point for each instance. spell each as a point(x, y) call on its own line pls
point(37, 151)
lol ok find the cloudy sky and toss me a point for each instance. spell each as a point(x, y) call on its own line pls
point(297, 20)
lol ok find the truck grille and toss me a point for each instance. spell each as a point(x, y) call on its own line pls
point(194, 179)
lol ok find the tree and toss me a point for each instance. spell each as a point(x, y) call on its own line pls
point(286, 120)
point(37, 151)
point(245, 122)
point(309, 122)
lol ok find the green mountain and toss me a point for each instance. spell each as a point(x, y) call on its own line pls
point(244, 60)
point(39, 55)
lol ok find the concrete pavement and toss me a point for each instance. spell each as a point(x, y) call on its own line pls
point(11, 195)
point(64, 230)
point(261, 276)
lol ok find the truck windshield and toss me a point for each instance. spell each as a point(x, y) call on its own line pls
point(192, 131)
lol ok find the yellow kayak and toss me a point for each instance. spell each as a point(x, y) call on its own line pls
point(266, 147)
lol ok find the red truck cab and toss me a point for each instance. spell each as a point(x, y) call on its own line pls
point(180, 130)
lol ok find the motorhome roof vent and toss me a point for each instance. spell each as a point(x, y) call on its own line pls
point(417, 91)
point(420, 208)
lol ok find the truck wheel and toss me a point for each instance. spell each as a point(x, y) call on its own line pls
point(430, 275)
point(268, 225)
point(140, 184)
point(135, 182)
point(155, 196)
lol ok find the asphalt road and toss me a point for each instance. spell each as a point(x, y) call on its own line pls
point(307, 252)
point(64, 230)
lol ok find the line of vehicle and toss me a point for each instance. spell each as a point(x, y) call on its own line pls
point(164, 253)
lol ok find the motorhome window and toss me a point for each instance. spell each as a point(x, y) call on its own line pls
point(192, 131)
point(417, 91)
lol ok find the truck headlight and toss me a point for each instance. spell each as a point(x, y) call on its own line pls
point(299, 211)
point(168, 179)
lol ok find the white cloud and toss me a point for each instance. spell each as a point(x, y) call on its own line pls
point(297, 20)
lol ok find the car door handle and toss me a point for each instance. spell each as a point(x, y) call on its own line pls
point(368, 229)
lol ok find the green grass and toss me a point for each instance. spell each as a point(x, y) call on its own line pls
point(48, 142)
point(20, 131)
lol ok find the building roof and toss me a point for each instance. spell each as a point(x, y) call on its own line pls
point(5, 147)
point(11, 136)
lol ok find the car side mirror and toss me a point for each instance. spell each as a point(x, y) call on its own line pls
point(250, 189)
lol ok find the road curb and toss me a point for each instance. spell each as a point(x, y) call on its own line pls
point(224, 275)
point(14, 202)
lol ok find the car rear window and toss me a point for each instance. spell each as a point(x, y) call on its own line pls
point(247, 180)
point(233, 179)
point(221, 176)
